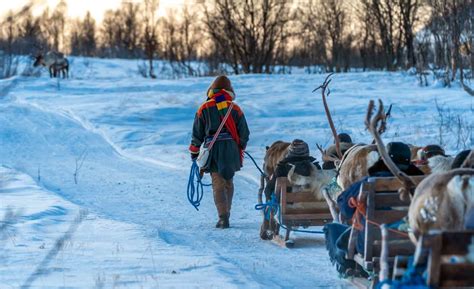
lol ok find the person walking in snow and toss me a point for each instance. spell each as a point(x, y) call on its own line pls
point(226, 155)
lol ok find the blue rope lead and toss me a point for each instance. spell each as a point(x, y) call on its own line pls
point(195, 189)
point(255, 163)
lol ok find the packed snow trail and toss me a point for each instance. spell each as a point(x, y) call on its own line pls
point(133, 134)
point(102, 253)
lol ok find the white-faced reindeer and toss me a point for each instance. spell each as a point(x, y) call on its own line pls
point(313, 183)
point(56, 63)
point(442, 200)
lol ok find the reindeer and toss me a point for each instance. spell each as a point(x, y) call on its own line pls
point(442, 200)
point(376, 125)
point(354, 164)
point(56, 63)
point(277, 152)
point(431, 159)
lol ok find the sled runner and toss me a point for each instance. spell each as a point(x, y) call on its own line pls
point(298, 209)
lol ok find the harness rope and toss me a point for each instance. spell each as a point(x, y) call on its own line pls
point(255, 163)
point(361, 212)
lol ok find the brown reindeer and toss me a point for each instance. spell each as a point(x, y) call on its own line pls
point(353, 165)
point(442, 200)
point(376, 125)
point(432, 159)
point(56, 63)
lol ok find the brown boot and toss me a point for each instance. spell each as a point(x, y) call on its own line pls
point(223, 222)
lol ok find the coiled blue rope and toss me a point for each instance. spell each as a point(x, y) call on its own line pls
point(195, 188)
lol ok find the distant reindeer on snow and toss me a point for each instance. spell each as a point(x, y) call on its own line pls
point(56, 63)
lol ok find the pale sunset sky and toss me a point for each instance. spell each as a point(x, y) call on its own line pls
point(78, 8)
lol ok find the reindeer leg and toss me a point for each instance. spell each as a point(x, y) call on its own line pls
point(332, 205)
point(288, 243)
point(264, 229)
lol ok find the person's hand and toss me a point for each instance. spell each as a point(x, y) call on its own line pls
point(201, 173)
point(194, 156)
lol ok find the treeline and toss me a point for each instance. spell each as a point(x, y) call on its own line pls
point(263, 36)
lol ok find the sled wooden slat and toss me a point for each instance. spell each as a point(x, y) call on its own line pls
point(392, 184)
point(455, 275)
point(307, 217)
point(300, 197)
point(389, 216)
point(383, 200)
point(396, 248)
point(310, 211)
point(307, 205)
point(300, 209)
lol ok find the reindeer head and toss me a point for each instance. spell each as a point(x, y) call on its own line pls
point(376, 126)
point(326, 157)
point(39, 60)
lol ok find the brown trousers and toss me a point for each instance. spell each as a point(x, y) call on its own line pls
point(223, 192)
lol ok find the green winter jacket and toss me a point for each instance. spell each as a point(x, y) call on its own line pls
point(225, 156)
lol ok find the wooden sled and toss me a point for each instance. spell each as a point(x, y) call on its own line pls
point(299, 209)
point(383, 206)
point(443, 254)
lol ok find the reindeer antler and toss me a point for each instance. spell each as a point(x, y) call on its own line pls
point(375, 125)
point(324, 88)
point(325, 157)
point(469, 161)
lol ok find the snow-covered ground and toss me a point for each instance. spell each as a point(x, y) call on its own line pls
point(131, 136)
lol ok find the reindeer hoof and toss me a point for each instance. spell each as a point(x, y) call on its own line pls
point(290, 243)
point(266, 235)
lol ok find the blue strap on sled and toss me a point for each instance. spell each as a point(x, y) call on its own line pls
point(411, 279)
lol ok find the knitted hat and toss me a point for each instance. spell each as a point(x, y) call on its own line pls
point(400, 154)
point(298, 148)
point(459, 159)
point(221, 82)
point(431, 151)
point(344, 137)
